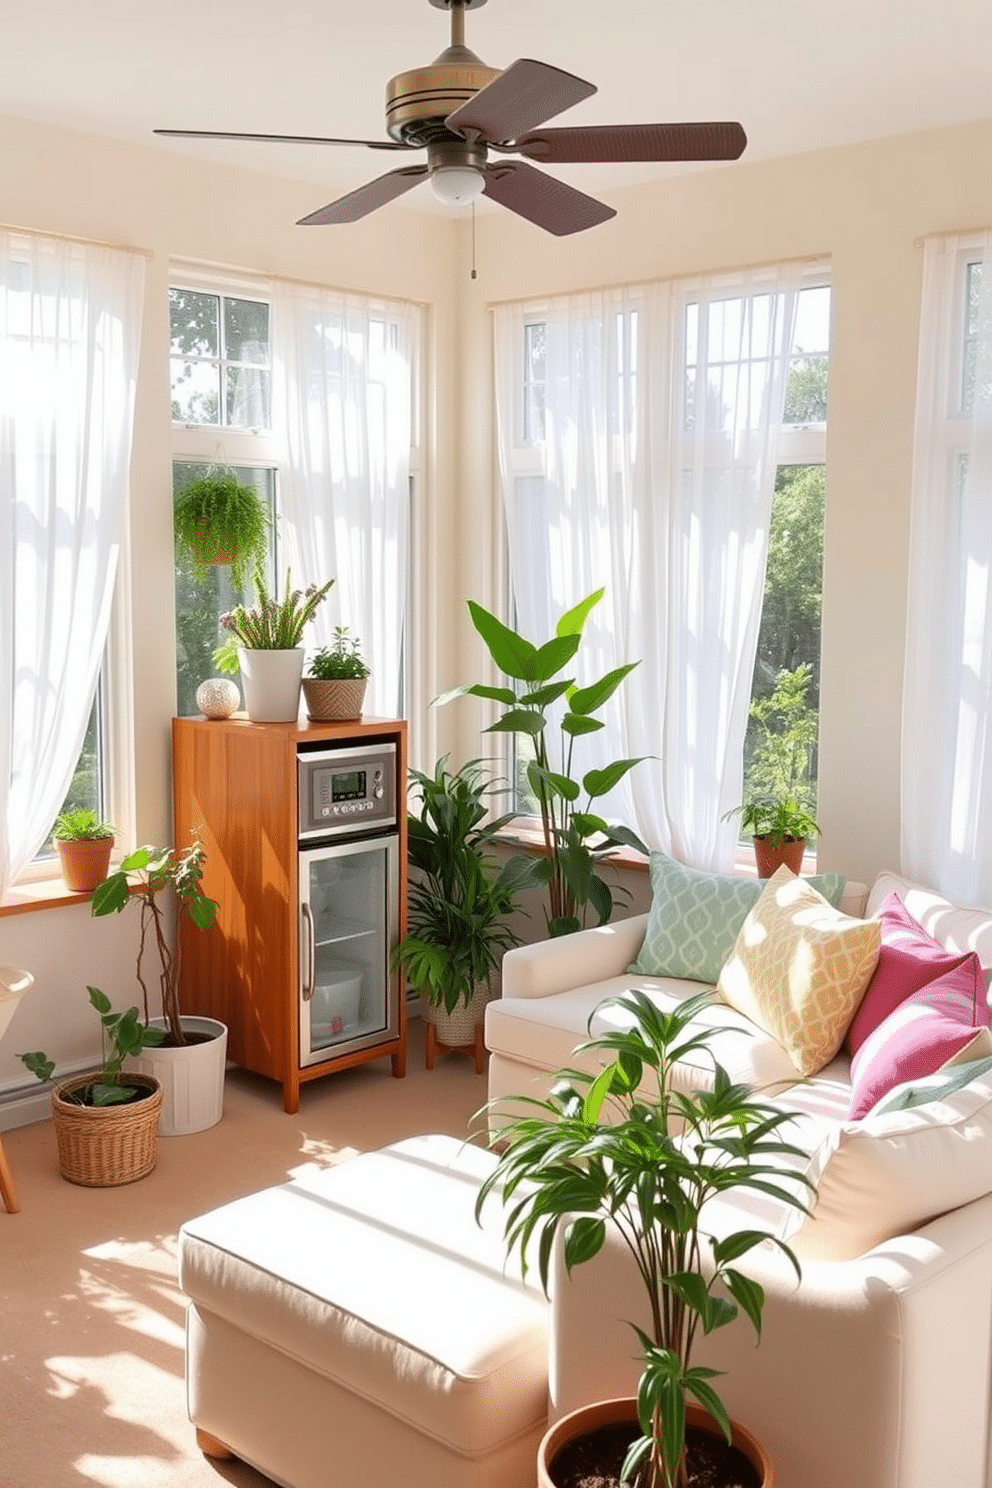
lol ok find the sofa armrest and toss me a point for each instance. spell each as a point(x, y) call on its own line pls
point(872, 1372)
point(551, 966)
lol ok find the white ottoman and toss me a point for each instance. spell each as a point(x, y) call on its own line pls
point(360, 1326)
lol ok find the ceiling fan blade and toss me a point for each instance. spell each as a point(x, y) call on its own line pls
point(619, 142)
point(367, 198)
point(523, 96)
point(279, 139)
point(543, 200)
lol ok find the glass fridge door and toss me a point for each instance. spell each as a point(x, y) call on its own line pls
point(348, 915)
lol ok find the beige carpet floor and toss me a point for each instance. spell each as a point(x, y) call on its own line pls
point(91, 1318)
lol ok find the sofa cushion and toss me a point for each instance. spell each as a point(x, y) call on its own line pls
point(908, 959)
point(869, 1181)
point(957, 927)
point(940, 1021)
point(892, 1172)
point(799, 968)
point(696, 916)
point(542, 1033)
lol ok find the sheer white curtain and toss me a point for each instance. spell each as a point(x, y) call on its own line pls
point(342, 391)
point(947, 699)
point(638, 448)
point(70, 321)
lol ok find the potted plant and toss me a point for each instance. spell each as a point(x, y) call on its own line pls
point(458, 905)
point(264, 641)
point(598, 1152)
point(778, 811)
point(779, 830)
point(105, 1126)
point(190, 1056)
point(335, 684)
point(576, 840)
point(219, 521)
point(84, 844)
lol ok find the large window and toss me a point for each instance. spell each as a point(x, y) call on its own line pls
point(221, 381)
point(662, 441)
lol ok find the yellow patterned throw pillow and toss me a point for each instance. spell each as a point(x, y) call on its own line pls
point(799, 969)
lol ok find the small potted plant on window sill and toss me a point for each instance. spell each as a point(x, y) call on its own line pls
point(84, 844)
point(335, 684)
point(219, 521)
point(779, 830)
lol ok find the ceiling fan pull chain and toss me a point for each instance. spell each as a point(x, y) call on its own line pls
point(474, 274)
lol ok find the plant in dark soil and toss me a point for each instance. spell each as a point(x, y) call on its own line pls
point(123, 1034)
point(595, 1460)
point(600, 1151)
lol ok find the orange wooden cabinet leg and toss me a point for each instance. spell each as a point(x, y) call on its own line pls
point(430, 1045)
point(211, 1447)
point(7, 1190)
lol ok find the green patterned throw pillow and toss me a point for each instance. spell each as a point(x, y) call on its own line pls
point(695, 918)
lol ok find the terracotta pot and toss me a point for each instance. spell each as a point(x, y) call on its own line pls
point(84, 864)
point(615, 1412)
point(769, 856)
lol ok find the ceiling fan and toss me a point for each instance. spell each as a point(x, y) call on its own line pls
point(460, 111)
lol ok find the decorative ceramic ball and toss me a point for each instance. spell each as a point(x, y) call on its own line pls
point(218, 697)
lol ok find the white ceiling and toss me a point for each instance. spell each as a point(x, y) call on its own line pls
point(798, 74)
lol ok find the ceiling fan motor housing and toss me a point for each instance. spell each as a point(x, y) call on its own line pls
point(419, 101)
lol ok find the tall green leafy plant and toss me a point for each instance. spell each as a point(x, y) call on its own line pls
point(600, 1150)
point(576, 838)
point(142, 878)
point(458, 904)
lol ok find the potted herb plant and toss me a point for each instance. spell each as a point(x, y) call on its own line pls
point(458, 905)
point(335, 684)
point(780, 799)
point(189, 1057)
point(779, 830)
point(84, 844)
point(219, 521)
point(599, 1152)
point(263, 639)
point(576, 838)
point(106, 1125)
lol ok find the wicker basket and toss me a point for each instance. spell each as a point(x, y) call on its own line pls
point(456, 1030)
point(334, 697)
point(104, 1146)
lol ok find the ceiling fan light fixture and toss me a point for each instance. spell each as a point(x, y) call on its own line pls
point(457, 185)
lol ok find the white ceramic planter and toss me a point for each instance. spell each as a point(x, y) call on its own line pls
point(271, 682)
point(192, 1078)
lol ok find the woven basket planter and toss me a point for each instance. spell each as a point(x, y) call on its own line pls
point(456, 1030)
point(334, 697)
point(105, 1146)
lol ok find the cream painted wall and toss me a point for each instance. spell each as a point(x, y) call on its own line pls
point(864, 206)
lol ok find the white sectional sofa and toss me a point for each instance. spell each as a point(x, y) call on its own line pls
point(874, 1371)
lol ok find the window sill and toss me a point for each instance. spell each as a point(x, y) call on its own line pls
point(40, 893)
point(530, 839)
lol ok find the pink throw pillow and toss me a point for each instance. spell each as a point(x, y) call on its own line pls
point(908, 960)
point(924, 1031)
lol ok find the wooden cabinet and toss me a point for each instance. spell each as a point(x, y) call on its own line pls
point(235, 788)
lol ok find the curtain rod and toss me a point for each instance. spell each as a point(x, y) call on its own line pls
point(60, 237)
point(765, 263)
point(952, 232)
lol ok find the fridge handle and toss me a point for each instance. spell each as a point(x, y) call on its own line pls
point(311, 955)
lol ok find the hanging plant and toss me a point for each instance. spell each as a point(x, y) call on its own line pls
point(218, 520)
